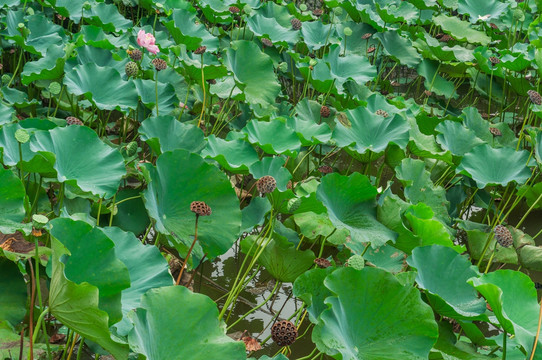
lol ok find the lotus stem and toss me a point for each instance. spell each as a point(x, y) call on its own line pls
point(203, 88)
point(156, 91)
point(257, 307)
point(537, 332)
point(504, 338)
point(189, 252)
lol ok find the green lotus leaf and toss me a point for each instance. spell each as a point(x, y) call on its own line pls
point(280, 257)
point(368, 131)
point(6, 114)
point(460, 30)
point(50, 67)
point(530, 257)
point(364, 322)
point(386, 257)
point(187, 325)
point(449, 347)
point(224, 87)
point(70, 8)
point(538, 147)
point(273, 166)
point(278, 12)
point(235, 156)
point(212, 68)
point(10, 343)
point(132, 215)
point(481, 9)
point(12, 197)
point(425, 146)
point(77, 305)
point(261, 25)
point(353, 67)
point(309, 130)
point(96, 37)
point(473, 121)
point(178, 179)
point(256, 78)
point(254, 213)
point(96, 56)
point(313, 225)
point(276, 357)
point(16, 97)
point(186, 29)
point(164, 133)
point(103, 86)
point(420, 189)
point(12, 301)
point(432, 48)
point(264, 134)
point(399, 47)
point(456, 138)
point(477, 240)
point(167, 99)
point(489, 166)
point(443, 273)
point(397, 11)
point(107, 17)
point(310, 288)
point(99, 174)
point(433, 81)
point(512, 296)
point(532, 193)
point(350, 203)
point(43, 33)
point(315, 34)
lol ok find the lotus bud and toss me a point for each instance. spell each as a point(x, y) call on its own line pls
point(87, 5)
point(303, 7)
point(283, 66)
point(247, 9)
point(347, 31)
point(313, 62)
point(22, 136)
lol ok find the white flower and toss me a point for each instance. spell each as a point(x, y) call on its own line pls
point(484, 18)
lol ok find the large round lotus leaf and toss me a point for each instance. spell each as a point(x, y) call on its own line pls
point(235, 156)
point(180, 178)
point(49, 67)
point(78, 305)
point(148, 269)
point(132, 215)
point(261, 25)
point(174, 323)
point(253, 71)
point(12, 301)
point(386, 257)
point(489, 166)
point(433, 81)
point(186, 29)
point(443, 273)
point(264, 134)
point(367, 131)
point(350, 202)
point(254, 213)
point(512, 296)
point(373, 316)
point(308, 131)
point(352, 67)
point(165, 133)
point(477, 9)
point(461, 30)
point(310, 288)
point(315, 34)
point(280, 257)
point(92, 55)
point(12, 197)
point(273, 166)
point(107, 16)
point(456, 138)
point(399, 47)
point(167, 99)
point(101, 85)
point(313, 225)
point(95, 168)
point(43, 33)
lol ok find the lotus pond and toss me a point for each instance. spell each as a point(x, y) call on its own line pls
point(246, 179)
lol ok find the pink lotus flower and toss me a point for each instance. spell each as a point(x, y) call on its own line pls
point(182, 105)
point(147, 40)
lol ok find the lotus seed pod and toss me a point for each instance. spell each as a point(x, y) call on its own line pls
point(325, 112)
point(495, 132)
point(72, 120)
point(266, 42)
point(131, 69)
point(503, 236)
point(266, 184)
point(535, 97)
point(39, 221)
point(55, 88)
point(303, 7)
point(234, 9)
point(296, 24)
point(356, 261)
point(159, 64)
point(494, 60)
point(317, 12)
point(322, 263)
point(200, 50)
point(371, 49)
point(446, 38)
point(22, 136)
point(283, 333)
point(293, 204)
point(135, 55)
point(325, 169)
point(131, 148)
point(382, 113)
point(347, 31)
point(200, 208)
point(519, 15)
point(367, 36)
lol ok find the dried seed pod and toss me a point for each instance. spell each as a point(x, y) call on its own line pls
point(503, 236)
point(322, 263)
point(317, 12)
point(284, 333)
point(293, 204)
point(131, 69)
point(325, 112)
point(494, 60)
point(200, 50)
point(296, 23)
point(325, 169)
point(200, 208)
point(446, 38)
point(382, 113)
point(371, 49)
point(159, 64)
point(135, 55)
point(495, 132)
point(266, 42)
point(266, 184)
point(535, 97)
point(72, 120)
point(367, 36)
point(234, 9)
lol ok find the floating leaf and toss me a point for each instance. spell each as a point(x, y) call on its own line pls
point(461, 30)
point(164, 133)
point(264, 134)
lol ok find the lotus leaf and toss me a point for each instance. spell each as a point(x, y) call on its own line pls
point(12, 302)
point(165, 133)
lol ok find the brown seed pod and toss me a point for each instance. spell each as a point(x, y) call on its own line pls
point(135, 55)
point(284, 333)
point(296, 23)
point(72, 120)
point(325, 169)
point(200, 208)
point(200, 50)
point(266, 42)
point(317, 12)
point(535, 97)
point(324, 111)
point(382, 113)
point(503, 236)
point(446, 38)
point(322, 263)
point(234, 9)
point(494, 60)
point(371, 49)
point(367, 36)
point(159, 64)
point(495, 132)
point(266, 184)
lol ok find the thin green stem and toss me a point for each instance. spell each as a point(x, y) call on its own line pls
point(256, 307)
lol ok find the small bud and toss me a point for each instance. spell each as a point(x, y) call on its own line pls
point(347, 31)
point(22, 136)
